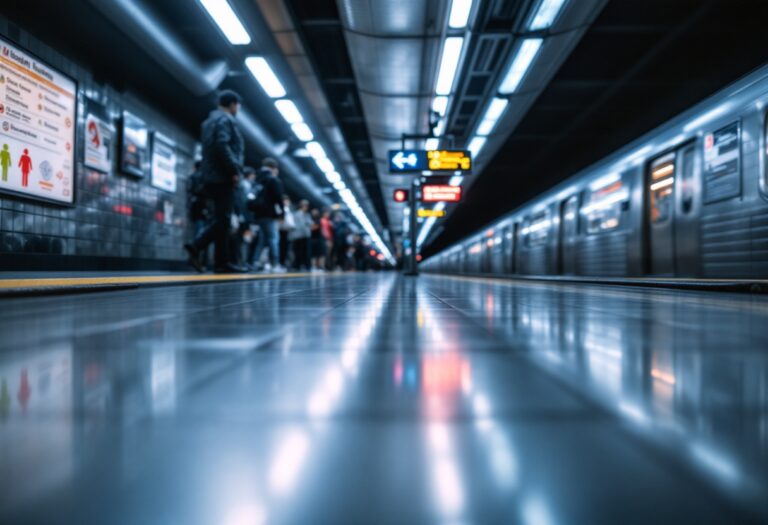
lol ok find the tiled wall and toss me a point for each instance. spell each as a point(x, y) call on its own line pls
point(115, 215)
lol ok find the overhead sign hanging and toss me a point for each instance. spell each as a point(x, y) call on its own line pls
point(37, 127)
point(440, 193)
point(425, 213)
point(414, 161)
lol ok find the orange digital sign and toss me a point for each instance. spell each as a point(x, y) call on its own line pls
point(440, 193)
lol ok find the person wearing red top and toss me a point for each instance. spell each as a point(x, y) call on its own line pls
point(326, 228)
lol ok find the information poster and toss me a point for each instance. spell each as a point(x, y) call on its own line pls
point(134, 147)
point(722, 178)
point(37, 133)
point(163, 163)
point(98, 137)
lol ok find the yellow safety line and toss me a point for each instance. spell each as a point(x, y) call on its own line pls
point(10, 284)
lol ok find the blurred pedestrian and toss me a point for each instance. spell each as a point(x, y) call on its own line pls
point(221, 166)
point(317, 241)
point(267, 210)
point(300, 236)
point(326, 229)
point(287, 225)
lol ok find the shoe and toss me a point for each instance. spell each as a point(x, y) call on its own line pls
point(279, 269)
point(229, 268)
point(194, 257)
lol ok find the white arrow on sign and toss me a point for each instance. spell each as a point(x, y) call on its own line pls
point(401, 160)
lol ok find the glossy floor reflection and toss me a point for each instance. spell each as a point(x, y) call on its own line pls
point(380, 399)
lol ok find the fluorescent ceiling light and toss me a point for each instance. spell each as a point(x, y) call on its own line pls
point(315, 150)
point(227, 20)
point(333, 177)
point(289, 111)
point(456, 180)
point(339, 185)
point(264, 75)
point(546, 14)
point(440, 105)
point(524, 57)
point(459, 16)
point(440, 128)
point(432, 144)
point(325, 165)
point(449, 64)
point(302, 132)
point(476, 145)
point(492, 114)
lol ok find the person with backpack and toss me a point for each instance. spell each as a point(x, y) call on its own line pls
point(223, 149)
point(267, 210)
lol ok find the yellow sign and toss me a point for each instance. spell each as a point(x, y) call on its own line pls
point(424, 213)
point(442, 160)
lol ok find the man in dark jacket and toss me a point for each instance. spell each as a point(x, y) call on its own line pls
point(267, 210)
point(221, 166)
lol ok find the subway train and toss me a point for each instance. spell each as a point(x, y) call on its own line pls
point(689, 199)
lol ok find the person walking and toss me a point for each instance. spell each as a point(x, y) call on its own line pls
point(317, 241)
point(267, 209)
point(300, 236)
point(223, 149)
point(326, 228)
point(287, 225)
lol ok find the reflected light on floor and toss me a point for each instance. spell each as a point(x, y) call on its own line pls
point(248, 514)
point(288, 461)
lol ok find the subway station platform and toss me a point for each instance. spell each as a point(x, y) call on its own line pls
point(383, 399)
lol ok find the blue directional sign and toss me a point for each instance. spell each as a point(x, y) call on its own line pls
point(407, 160)
point(436, 161)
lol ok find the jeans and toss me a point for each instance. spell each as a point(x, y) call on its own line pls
point(268, 235)
point(223, 198)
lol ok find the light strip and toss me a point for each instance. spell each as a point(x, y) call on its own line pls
point(662, 183)
point(546, 14)
point(325, 165)
point(476, 145)
point(440, 105)
point(524, 57)
point(315, 150)
point(449, 64)
point(459, 16)
point(259, 68)
point(229, 24)
point(302, 132)
point(289, 111)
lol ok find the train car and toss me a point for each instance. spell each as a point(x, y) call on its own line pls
point(689, 199)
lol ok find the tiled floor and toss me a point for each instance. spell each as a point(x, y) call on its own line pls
point(380, 399)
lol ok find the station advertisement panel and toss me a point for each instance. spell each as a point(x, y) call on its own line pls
point(163, 163)
point(134, 145)
point(37, 127)
point(98, 137)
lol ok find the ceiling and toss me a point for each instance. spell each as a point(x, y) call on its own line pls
point(365, 70)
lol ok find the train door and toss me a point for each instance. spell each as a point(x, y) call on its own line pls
point(686, 216)
point(507, 253)
point(569, 228)
point(661, 215)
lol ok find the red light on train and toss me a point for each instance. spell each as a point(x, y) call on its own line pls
point(401, 195)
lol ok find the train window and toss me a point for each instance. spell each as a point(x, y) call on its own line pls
point(538, 231)
point(604, 204)
point(662, 181)
point(687, 178)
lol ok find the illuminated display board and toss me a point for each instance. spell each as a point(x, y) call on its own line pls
point(440, 193)
point(426, 213)
point(413, 161)
point(442, 160)
point(37, 128)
